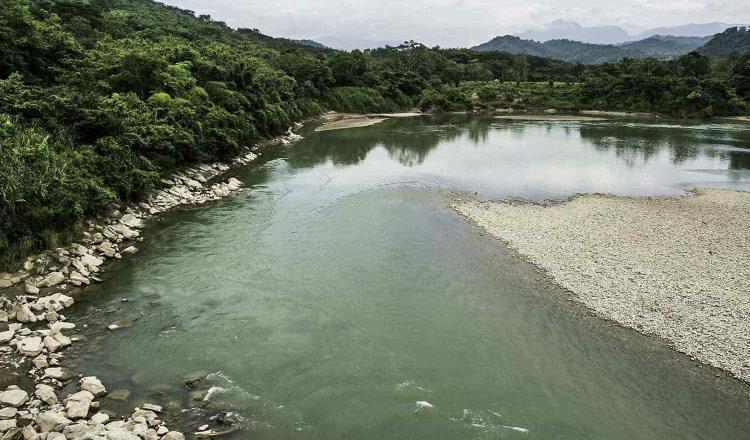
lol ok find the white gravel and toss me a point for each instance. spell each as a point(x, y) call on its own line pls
point(678, 268)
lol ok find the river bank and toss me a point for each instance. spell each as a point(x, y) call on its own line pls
point(35, 332)
point(676, 268)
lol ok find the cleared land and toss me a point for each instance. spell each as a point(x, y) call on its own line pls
point(678, 268)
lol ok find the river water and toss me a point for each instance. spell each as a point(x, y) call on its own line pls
point(338, 295)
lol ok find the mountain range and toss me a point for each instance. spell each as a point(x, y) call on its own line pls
point(735, 39)
point(610, 34)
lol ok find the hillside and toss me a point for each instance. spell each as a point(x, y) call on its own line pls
point(663, 47)
point(732, 40)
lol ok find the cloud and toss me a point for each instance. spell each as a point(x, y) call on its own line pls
point(451, 23)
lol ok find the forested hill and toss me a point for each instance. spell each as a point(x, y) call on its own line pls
point(658, 46)
point(734, 40)
point(99, 99)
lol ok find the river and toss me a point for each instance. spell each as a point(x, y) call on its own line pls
point(339, 297)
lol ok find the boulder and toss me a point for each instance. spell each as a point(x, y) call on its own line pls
point(131, 221)
point(130, 250)
point(173, 435)
point(8, 413)
point(51, 344)
point(52, 421)
point(77, 405)
point(23, 313)
point(91, 260)
point(7, 335)
point(58, 373)
point(52, 279)
point(99, 418)
point(6, 425)
point(76, 277)
point(30, 346)
point(14, 398)
point(93, 385)
point(46, 393)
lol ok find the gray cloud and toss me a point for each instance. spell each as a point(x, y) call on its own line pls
point(452, 23)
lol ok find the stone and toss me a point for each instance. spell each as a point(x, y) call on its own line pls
point(76, 277)
point(161, 430)
point(51, 344)
point(23, 313)
point(173, 435)
point(122, 395)
point(52, 421)
point(77, 405)
point(52, 279)
point(93, 385)
point(150, 434)
point(58, 373)
point(30, 346)
point(31, 289)
point(6, 425)
point(100, 418)
point(7, 335)
point(130, 250)
point(152, 407)
point(202, 427)
point(46, 393)
point(91, 260)
point(131, 221)
point(14, 398)
point(29, 433)
point(8, 413)
point(113, 327)
point(40, 362)
point(55, 436)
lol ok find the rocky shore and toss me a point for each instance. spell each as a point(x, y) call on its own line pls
point(677, 268)
point(35, 331)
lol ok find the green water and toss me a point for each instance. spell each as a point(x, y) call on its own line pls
point(339, 290)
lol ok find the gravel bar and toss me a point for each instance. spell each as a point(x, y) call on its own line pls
point(677, 268)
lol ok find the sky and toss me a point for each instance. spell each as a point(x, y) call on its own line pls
point(452, 23)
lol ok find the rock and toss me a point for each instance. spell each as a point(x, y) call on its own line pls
point(77, 405)
point(5, 283)
point(7, 335)
point(31, 289)
point(93, 385)
point(5, 425)
point(23, 313)
point(121, 434)
point(173, 435)
point(40, 362)
point(58, 373)
point(130, 250)
point(14, 398)
point(131, 221)
point(100, 418)
point(8, 413)
point(30, 346)
point(51, 344)
point(121, 395)
point(91, 261)
point(46, 393)
point(202, 427)
point(150, 434)
point(152, 407)
point(161, 430)
point(29, 433)
point(113, 327)
point(52, 421)
point(76, 277)
point(52, 279)
point(55, 436)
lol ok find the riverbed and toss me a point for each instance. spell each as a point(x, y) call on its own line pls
point(340, 297)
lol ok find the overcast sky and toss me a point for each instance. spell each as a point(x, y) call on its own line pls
point(452, 23)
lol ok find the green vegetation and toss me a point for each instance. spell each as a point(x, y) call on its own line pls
point(101, 98)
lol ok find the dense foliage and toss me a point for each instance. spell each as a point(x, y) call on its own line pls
point(101, 98)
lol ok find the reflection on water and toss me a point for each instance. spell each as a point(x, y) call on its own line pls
point(338, 296)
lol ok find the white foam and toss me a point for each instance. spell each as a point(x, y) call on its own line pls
point(423, 404)
point(516, 428)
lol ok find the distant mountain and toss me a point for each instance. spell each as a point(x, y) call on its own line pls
point(664, 46)
point(587, 53)
point(687, 30)
point(570, 30)
point(732, 40)
point(356, 43)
